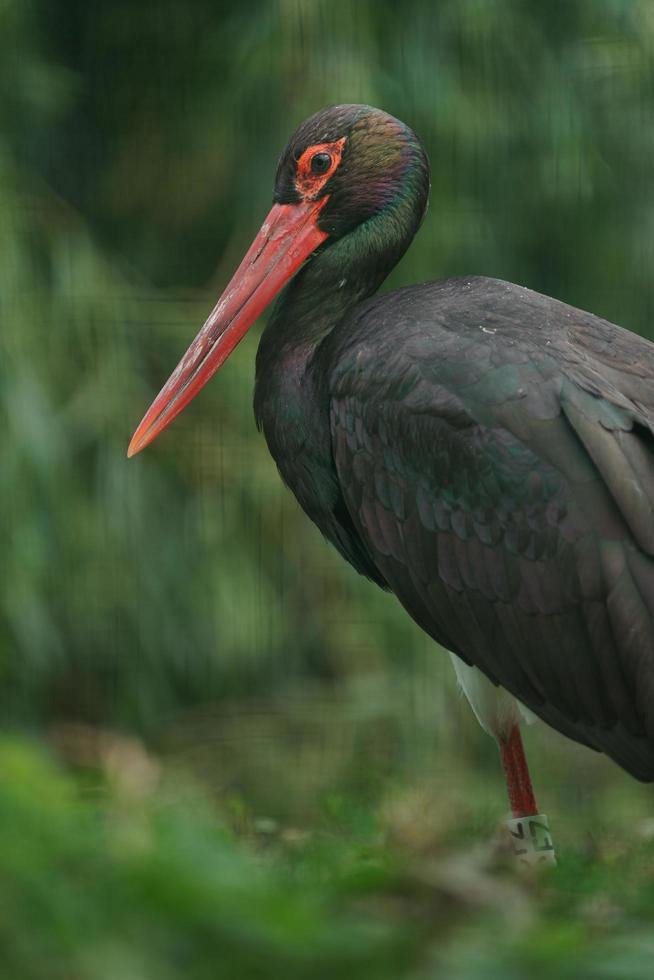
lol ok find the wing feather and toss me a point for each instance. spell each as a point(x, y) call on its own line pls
point(502, 480)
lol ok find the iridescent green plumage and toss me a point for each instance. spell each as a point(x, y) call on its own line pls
point(483, 451)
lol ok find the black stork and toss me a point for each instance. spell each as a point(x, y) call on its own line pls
point(481, 450)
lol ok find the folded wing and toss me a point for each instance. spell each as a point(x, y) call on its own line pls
point(494, 449)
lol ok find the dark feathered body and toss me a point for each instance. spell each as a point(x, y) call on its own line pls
point(483, 451)
point(486, 453)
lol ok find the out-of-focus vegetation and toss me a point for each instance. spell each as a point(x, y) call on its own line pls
point(182, 599)
point(151, 884)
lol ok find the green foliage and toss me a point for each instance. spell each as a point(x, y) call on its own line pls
point(138, 151)
point(139, 887)
point(182, 596)
point(140, 879)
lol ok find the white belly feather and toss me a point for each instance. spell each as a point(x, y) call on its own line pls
point(496, 710)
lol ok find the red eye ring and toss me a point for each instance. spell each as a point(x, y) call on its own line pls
point(309, 182)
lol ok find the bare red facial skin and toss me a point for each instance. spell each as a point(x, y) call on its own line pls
point(308, 184)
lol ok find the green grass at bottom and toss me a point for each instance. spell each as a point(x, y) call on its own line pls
point(135, 876)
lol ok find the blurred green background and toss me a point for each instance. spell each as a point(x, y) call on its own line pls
point(174, 633)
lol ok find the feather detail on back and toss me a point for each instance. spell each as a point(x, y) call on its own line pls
point(494, 450)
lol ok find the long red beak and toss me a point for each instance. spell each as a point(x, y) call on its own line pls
point(287, 237)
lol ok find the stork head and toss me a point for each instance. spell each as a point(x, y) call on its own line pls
point(342, 167)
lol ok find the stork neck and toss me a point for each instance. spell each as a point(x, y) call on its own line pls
point(289, 398)
point(343, 274)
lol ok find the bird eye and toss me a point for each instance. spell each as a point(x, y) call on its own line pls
point(320, 163)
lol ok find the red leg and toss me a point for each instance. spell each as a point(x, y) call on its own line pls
point(518, 780)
